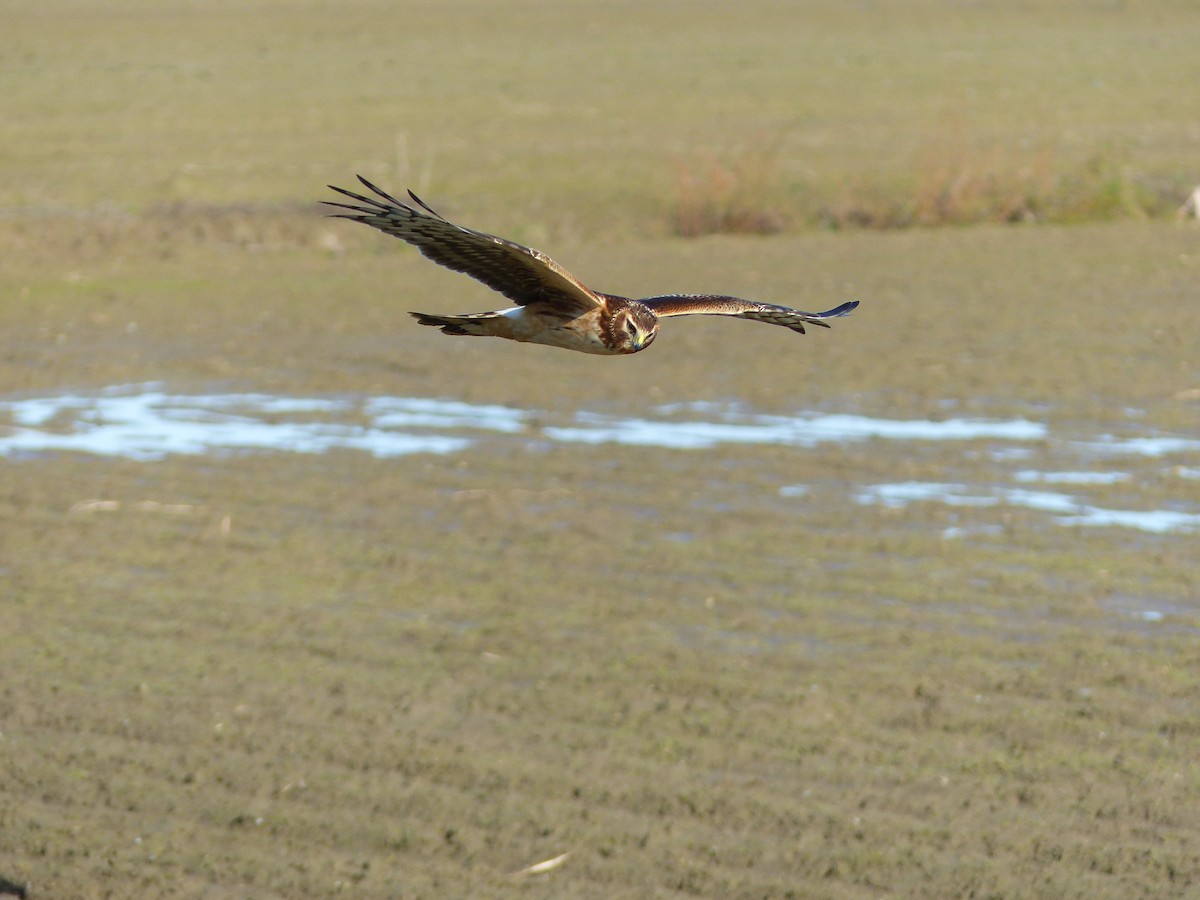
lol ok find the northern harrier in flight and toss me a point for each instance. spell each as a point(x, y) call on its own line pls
point(554, 307)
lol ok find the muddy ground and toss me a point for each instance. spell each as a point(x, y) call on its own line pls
point(413, 676)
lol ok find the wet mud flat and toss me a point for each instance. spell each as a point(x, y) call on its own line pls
point(289, 673)
point(314, 601)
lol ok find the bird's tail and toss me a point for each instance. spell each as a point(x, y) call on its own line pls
point(474, 324)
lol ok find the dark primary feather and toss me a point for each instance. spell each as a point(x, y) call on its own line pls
point(716, 305)
point(522, 274)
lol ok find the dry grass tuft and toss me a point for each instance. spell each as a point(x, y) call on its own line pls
point(735, 193)
point(166, 229)
point(957, 181)
point(955, 178)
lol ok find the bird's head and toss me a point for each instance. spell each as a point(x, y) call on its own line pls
point(633, 327)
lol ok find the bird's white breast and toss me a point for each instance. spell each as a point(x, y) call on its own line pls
point(583, 333)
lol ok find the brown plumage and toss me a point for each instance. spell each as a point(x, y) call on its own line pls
point(553, 306)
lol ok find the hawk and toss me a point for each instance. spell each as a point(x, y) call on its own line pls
point(553, 306)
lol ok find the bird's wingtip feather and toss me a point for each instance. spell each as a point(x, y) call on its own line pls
point(421, 203)
point(381, 192)
point(844, 310)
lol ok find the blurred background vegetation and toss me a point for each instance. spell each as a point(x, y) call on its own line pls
point(602, 118)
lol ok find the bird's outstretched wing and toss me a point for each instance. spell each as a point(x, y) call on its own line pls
point(715, 305)
point(520, 273)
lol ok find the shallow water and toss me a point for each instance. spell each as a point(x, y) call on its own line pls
point(146, 422)
point(798, 431)
point(150, 424)
point(1067, 509)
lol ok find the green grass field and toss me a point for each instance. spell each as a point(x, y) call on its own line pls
point(723, 671)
